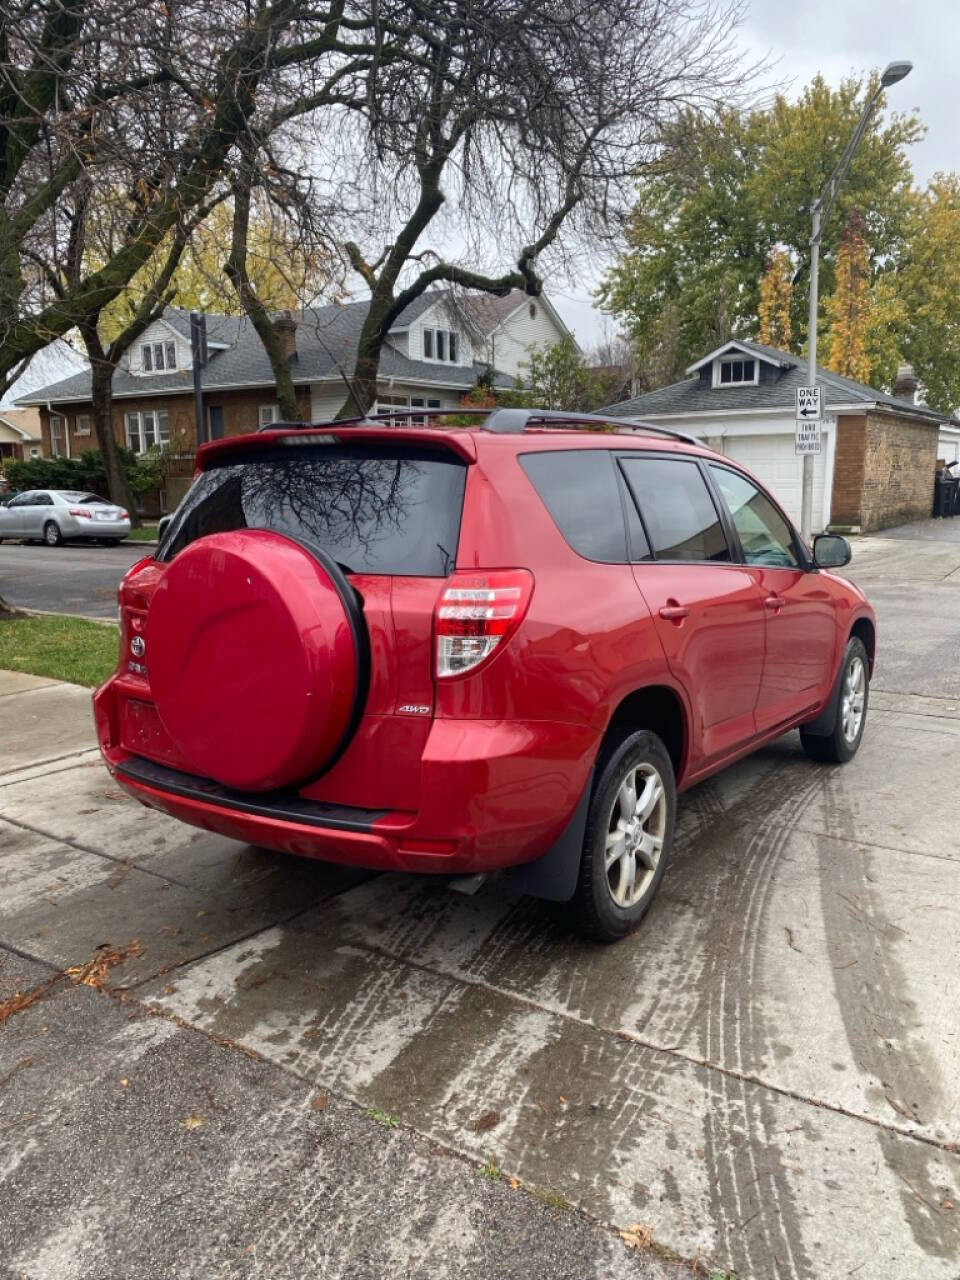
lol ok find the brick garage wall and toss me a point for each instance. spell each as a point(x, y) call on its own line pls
point(848, 470)
point(900, 464)
point(883, 470)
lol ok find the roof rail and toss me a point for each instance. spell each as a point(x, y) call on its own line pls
point(500, 421)
point(510, 421)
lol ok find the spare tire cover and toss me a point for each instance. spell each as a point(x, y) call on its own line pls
point(253, 659)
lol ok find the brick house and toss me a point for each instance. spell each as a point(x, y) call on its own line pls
point(879, 451)
point(20, 435)
point(435, 352)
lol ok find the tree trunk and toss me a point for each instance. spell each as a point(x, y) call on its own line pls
point(101, 385)
point(363, 380)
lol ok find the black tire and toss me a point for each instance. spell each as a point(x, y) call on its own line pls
point(52, 536)
point(840, 745)
point(594, 907)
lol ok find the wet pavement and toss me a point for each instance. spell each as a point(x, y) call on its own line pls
point(74, 578)
point(765, 1078)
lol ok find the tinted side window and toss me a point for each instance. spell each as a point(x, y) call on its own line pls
point(579, 488)
point(677, 509)
point(764, 534)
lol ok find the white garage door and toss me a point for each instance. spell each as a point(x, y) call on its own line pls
point(773, 461)
point(949, 448)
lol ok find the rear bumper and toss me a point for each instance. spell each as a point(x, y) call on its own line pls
point(493, 794)
point(71, 527)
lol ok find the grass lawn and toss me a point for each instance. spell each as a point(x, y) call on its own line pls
point(146, 533)
point(63, 648)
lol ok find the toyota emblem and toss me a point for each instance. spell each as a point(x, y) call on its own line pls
point(138, 646)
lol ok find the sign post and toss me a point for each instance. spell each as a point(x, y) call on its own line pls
point(808, 420)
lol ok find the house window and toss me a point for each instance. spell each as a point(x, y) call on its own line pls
point(441, 344)
point(58, 433)
point(735, 373)
point(83, 425)
point(269, 413)
point(147, 428)
point(158, 356)
point(391, 404)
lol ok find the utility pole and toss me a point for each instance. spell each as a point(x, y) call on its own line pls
point(200, 355)
point(820, 212)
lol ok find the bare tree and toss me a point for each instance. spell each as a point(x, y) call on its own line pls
point(522, 123)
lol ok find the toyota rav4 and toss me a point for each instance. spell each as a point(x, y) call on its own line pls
point(500, 648)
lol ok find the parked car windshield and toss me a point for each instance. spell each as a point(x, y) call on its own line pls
point(385, 510)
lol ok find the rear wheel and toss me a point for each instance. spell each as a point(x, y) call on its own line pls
point(51, 534)
point(843, 742)
point(628, 838)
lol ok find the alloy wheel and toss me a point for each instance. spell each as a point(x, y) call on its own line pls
point(853, 698)
point(635, 834)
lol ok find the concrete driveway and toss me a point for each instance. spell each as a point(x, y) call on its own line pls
point(290, 1070)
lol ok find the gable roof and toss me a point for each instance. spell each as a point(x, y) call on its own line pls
point(327, 339)
point(691, 396)
point(9, 418)
point(490, 312)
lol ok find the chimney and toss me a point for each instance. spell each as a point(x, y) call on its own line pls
point(905, 383)
point(286, 329)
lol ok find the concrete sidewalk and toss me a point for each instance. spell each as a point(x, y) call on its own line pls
point(766, 1076)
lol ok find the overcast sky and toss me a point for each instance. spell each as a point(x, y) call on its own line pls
point(840, 38)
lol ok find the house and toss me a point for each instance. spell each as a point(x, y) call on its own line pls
point(513, 326)
point(434, 354)
point(878, 453)
point(20, 435)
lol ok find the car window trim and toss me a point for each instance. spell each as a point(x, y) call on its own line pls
point(804, 564)
point(733, 544)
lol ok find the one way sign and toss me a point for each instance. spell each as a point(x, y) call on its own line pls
point(808, 404)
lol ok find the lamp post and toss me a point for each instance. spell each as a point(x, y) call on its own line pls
point(821, 210)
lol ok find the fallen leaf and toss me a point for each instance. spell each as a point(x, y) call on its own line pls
point(94, 972)
point(193, 1122)
point(489, 1120)
point(637, 1237)
point(514, 1184)
point(320, 1101)
point(124, 1082)
point(946, 1204)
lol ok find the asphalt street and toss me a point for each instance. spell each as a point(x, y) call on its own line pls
point(290, 1070)
point(74, 578)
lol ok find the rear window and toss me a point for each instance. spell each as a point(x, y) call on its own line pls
point(374, 510)
point(581, 491)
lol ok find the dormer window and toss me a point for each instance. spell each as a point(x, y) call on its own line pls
point(158, 357)
point(736, 372)
point(441, 344)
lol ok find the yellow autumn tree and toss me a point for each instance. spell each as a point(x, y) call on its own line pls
point(849, 307)
point(776, 295)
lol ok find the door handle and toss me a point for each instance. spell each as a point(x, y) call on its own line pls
point(674, 612)
point(774, 602)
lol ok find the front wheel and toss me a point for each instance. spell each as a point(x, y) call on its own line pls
point(843, 741)
point(51, 534)
point(628, 838)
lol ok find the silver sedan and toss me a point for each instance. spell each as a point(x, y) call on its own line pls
point(56, 515)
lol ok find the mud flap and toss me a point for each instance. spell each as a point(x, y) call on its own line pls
point(553, 876)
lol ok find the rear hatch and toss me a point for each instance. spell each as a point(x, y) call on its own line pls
point(388, 512)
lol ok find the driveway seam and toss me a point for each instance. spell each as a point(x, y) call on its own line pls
point(38, 764)
point(632, 1038)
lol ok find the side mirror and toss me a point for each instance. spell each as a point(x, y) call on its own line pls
point(831, 551)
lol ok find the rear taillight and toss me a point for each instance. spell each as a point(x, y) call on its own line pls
point(81, 511)
point(476, 612)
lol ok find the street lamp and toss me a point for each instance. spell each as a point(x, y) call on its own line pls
point(822, 208)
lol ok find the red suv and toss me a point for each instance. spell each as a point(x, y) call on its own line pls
point(466, 650)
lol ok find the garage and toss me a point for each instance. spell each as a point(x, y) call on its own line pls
point(879, 449)
point(773, 461)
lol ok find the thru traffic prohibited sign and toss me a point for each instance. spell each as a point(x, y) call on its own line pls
point(807, 439)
